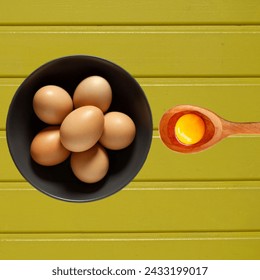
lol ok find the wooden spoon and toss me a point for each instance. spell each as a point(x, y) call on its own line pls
point(216, 128)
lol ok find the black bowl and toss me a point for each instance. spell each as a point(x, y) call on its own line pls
point(59, 181)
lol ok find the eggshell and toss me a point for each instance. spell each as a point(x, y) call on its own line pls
point(46, 148)
point(94, 90)
point(52, 104)
point(119, 131)
point(90, 166)
point(82, 128)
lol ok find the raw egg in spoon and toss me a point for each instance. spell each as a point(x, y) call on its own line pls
point(191, 129)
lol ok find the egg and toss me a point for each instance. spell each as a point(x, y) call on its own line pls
point(189, 129)
point(94, 90)
point(82, 128)
point(119, 131)
point(52, 104)
point(46, 148)
point(90, 166)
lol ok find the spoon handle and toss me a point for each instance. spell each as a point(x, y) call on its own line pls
point(231, 128)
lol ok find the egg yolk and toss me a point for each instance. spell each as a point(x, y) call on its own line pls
point(189, 129)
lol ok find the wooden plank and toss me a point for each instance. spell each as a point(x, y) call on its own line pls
point(144, 51)
point(235, 158)
point(8, 171)
point(203, 206)
point(224, 96)
point(141, 207)
point(163, 93)
point(147, 246)
point(135, 12)
point(241, 161)
point(8, 88)
point(232, 159)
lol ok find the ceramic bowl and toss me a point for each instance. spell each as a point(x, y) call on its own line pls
point(59, 181)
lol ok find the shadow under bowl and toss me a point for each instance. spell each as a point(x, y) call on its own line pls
point(59, 181)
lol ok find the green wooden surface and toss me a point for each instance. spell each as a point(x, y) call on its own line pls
point(98, 12)
point(141, 207)
point(222, 95)
point(201, 206)
point(232, 159)
point(131, 246)
point(157, 51)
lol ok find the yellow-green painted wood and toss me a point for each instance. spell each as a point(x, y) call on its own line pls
point(222, 95)
point(232, 159)
point(8, 171)
point(236, 158)
point(111, 12)
point(184, 246)
point(144, 51)
point(203, 206)
point(8, 88)
point(140, 207)
point(241, 161)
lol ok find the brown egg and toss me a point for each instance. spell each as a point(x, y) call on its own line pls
point(119, 131)
point(52, 104)
point(95, 91)
point(82, 128)
point(46, 148)
point(90, 166)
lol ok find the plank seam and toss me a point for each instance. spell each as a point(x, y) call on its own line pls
point(126, 239)
point(137, 24)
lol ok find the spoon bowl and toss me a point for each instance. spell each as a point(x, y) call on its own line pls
point(216, 128)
